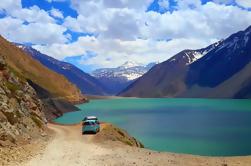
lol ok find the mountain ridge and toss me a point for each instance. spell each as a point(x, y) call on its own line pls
point(33, 70)
point(85, 82)
point(180, 76)
point(120, 77)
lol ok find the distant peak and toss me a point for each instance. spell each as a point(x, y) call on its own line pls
point(248, 29)
point(130, 64)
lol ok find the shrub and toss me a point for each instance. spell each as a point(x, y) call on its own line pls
point(11, 117)
point(12, 87)
point(37, 121)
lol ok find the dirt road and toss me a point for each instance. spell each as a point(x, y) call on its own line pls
point(69, 147)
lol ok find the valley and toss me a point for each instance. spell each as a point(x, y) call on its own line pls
point(117, 79)
point(166, 82)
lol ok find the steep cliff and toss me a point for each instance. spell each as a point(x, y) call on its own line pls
point(21, 112)
point(33, 70)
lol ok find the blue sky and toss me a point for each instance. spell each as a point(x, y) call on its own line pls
point(105, 33)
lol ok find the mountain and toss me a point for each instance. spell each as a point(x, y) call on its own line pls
point(55, 92)
point(221, 70)
point(224, 71)
point(86, 83)
point(21, 112)
point(32, 70)
point(118, 78)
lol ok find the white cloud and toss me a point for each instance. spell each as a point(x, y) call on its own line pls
point(208, 21)
point(37, 33)
point(164, 4)
point(118, 51)
point(14, 9)
point(56, 0)
point(10, 5)
point(244, 3)
point(122, 25)
point(87, 7)
point(185, 4)
point(227, 2)
point(32, 14)
point(127, 14)
point(32, 24)
point(123, 29)
point(56, 13)
point(139, 4)
point(192, 26)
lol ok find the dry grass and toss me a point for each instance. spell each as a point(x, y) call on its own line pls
point(110, 132)
point(31, 69)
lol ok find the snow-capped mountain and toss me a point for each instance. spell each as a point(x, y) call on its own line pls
point(118, 78)
point(128, 71)
point(187, 57)
point(85, 82)
point(222, 70)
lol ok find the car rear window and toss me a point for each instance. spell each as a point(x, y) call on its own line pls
point(90, 118)
point(88, 123)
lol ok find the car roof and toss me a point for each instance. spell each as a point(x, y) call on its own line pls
point(91, 117)
point(94, 121)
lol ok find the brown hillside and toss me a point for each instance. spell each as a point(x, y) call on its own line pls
point(31, 69)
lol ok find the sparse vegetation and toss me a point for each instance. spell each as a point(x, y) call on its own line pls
point(110, 132)
point(37, 121)
point(11, 117)
point(12, 87)
point(26, 67)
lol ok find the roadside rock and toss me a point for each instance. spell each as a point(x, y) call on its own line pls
point(21, 112)
point(110, 132)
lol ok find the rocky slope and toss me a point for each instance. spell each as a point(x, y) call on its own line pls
point(54, 106)
point(116, 79)
point(218, 71)
point(85, 82)
point(33, 70)
point(110, 132)
point(21, 112)
point(166, 79)
point(225, 71)
point(54, 90)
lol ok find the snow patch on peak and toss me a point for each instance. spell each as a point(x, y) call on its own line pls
point(172, 60)
point(246, 37)
point(190, 60)
point(195, 55)
point(129, 71)
point(198, 55)
point(130, 64)
point(131, 76)
point(20, 46)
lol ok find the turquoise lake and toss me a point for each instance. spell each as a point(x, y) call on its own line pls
point(193, 126)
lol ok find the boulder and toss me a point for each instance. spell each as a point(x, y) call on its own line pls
point(2, 63)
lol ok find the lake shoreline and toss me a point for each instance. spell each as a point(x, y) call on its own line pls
point(204, 127)
point(105, 123)
point(115, 152)
point(97, 97)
